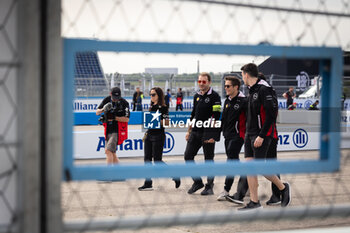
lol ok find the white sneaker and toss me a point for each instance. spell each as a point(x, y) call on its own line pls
point(222, 196)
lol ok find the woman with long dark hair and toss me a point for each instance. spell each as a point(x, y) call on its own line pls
point(155, 138)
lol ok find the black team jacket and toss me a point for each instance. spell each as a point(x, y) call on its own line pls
point(234, 117)
point(262, 110)
point(205, 107)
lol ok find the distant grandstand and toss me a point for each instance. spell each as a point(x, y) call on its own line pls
point(89, 76)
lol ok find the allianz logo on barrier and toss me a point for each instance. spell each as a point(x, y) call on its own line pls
point(307, 104)
point(137, 144)
point(78, 106)
point(283, 105)
point(300, 138)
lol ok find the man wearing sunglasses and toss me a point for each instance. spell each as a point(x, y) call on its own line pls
point(206, 106)
point(233, 129)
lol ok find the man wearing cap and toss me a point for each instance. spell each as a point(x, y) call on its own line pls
point(116, 109)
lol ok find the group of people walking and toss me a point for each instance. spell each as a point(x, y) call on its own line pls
point(138, 97)
point(248, 121)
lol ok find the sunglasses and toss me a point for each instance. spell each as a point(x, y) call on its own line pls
point(228, 86)
point(202, 81)
point(153, 94)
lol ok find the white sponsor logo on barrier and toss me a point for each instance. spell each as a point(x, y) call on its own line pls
point(91, 104)
point(136, 144)
point(91, 144)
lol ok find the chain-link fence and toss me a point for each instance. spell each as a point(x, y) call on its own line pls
point(29, 128)
point(119, 205)
point(93, 206)
point(8, 116)
point(293, 22)
point(318, 201)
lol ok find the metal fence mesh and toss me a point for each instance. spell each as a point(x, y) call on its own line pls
point(93, 205)
point(292, 22)
point(8, 116)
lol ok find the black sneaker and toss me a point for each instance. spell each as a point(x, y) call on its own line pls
point(195, 187)
point(145, 188)
point(286, 195)
point(208, 190)
point(177, 182)
point(251, 206)
point(235, 199)
point(274, 200)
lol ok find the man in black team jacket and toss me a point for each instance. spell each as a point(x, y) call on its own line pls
point(233, 128)
point(206, 106)
point(261, 122)
point(242, 187)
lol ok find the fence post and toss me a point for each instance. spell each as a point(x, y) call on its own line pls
point(54, 127)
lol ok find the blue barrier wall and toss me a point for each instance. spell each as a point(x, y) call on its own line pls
point(90, 118)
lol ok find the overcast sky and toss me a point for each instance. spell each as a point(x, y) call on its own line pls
point(192, 22)
point(137, 62)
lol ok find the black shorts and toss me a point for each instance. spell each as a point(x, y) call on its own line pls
point(112, 142)
point(272, 151)
point(257, 153)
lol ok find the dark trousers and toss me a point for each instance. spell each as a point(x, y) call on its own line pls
point(233, 147)
point(195, 142)
point(153, 150)
point(179, 106)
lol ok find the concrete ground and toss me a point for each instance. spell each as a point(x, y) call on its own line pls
point(91, 199)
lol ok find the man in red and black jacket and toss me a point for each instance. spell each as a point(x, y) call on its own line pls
point(233, 128)
point(261, 129)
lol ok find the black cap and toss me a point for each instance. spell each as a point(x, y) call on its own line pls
point(115, 93)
